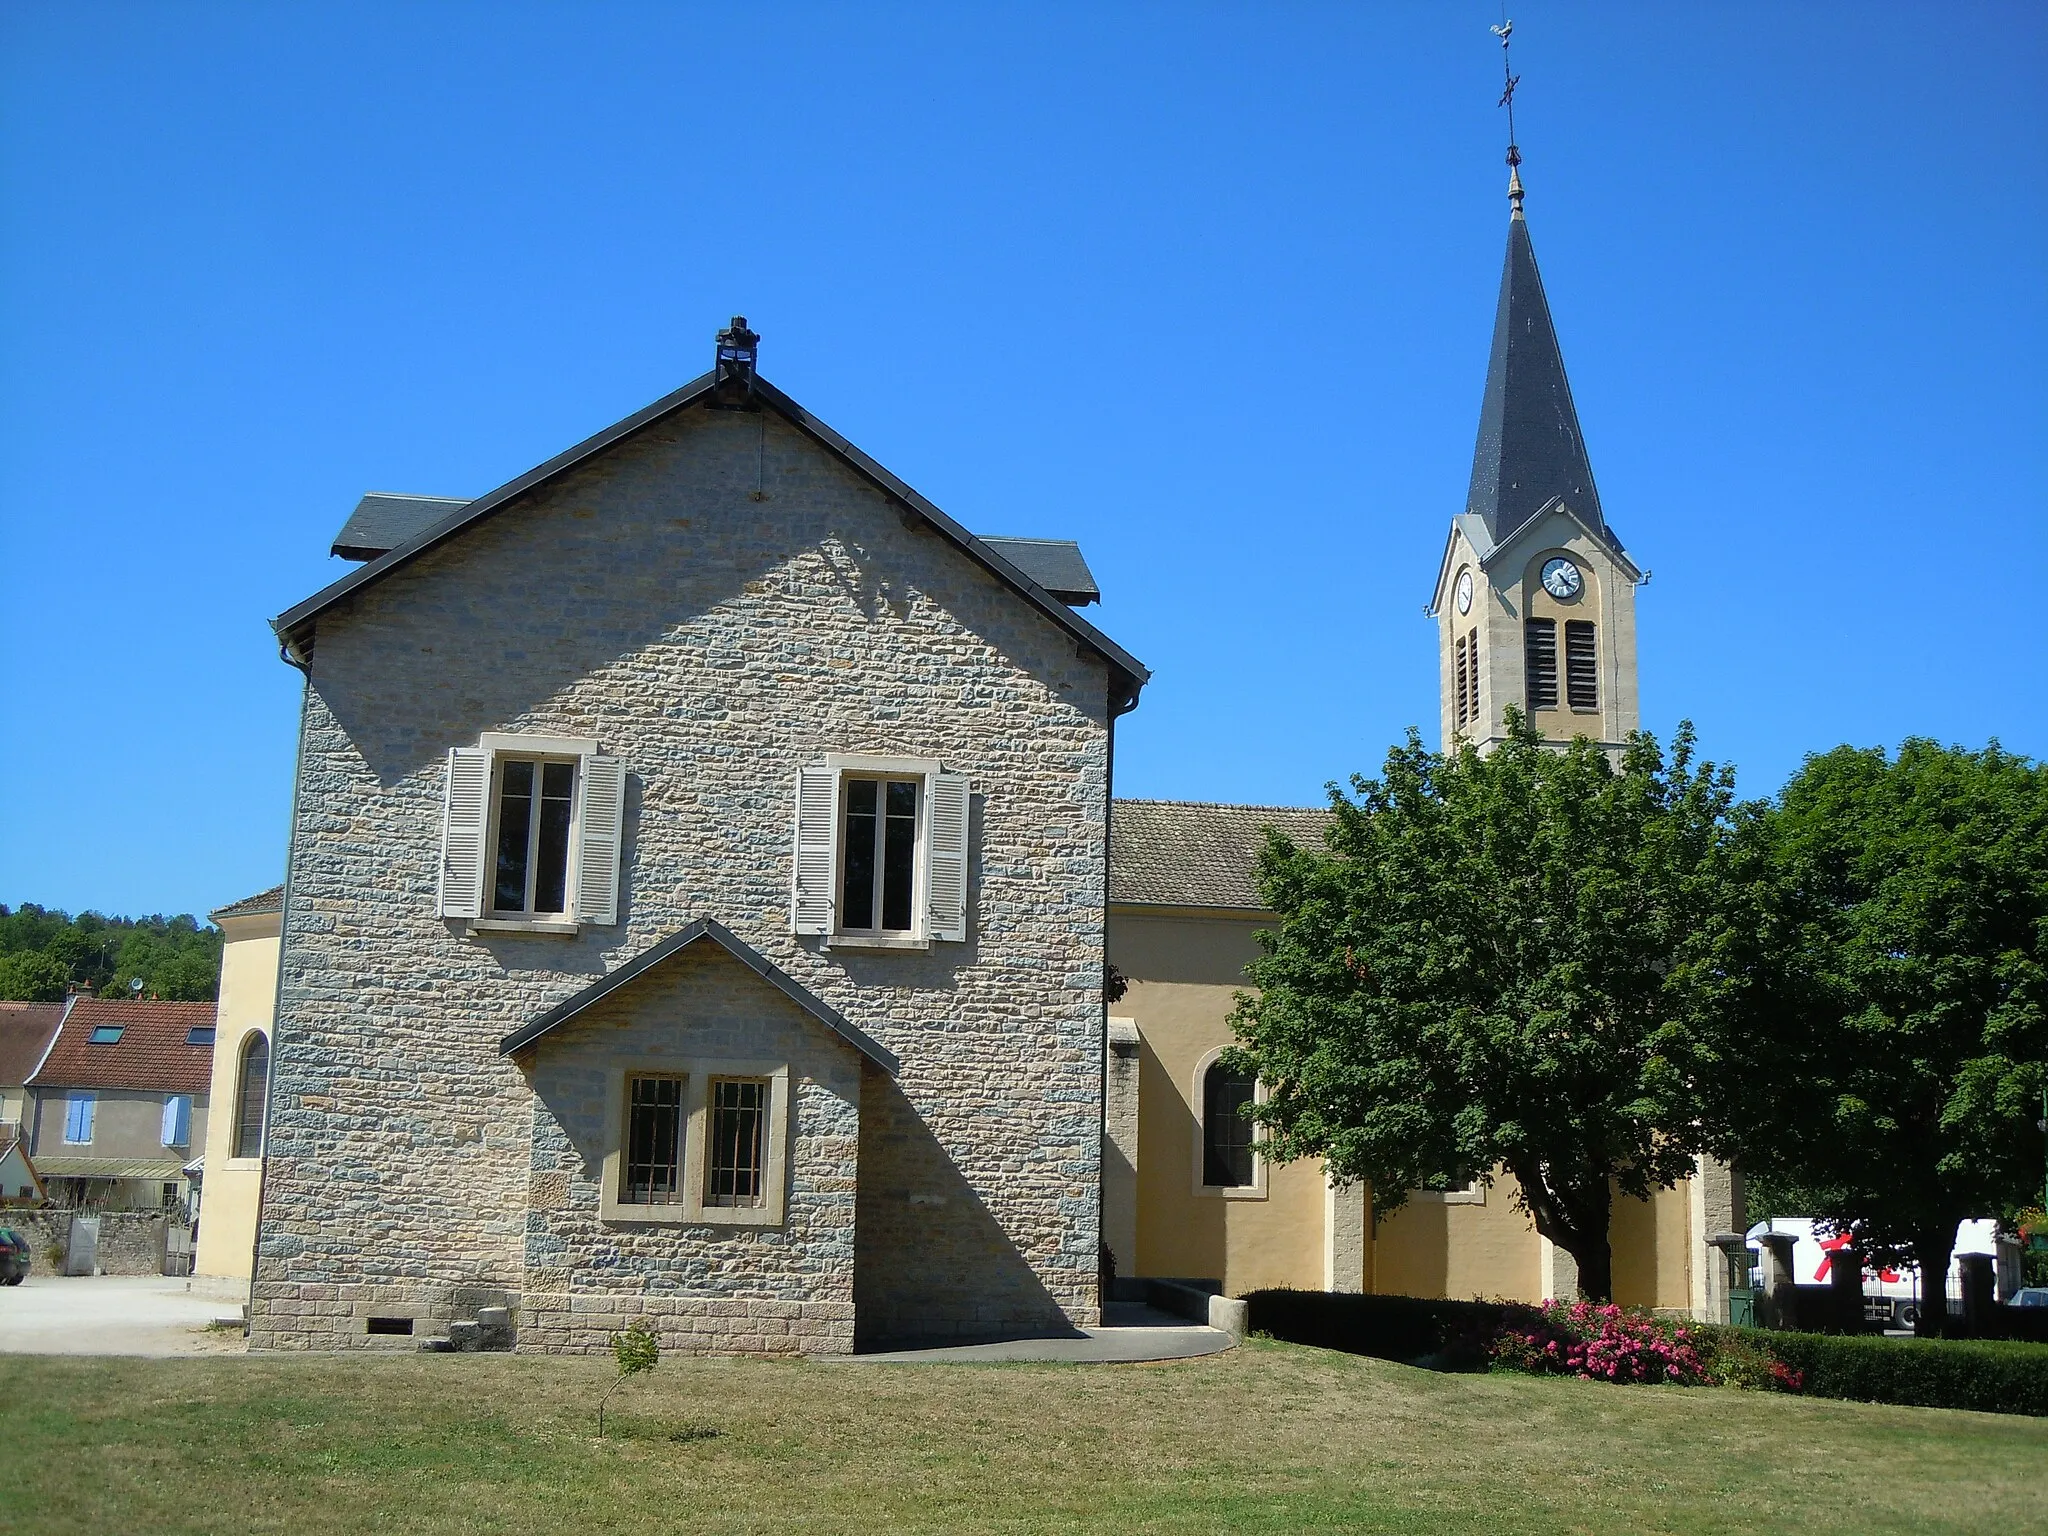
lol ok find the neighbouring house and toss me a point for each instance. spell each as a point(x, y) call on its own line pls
point(231, 1165)
point(26, 1030)
point(695, 907)
point(20, 1184)
point(117, 1106)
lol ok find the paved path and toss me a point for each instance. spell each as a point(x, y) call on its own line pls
point(111, 1315)
point(1135, 1333)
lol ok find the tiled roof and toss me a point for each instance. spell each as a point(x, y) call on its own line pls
point(151, 1054)
point(25, 1030)
point(1188, 853)
point(271, 900)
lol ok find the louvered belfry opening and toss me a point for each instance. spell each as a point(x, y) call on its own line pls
point(1539, 644)
point(1464, 689)
point(1581, 665)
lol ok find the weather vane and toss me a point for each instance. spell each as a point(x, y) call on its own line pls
point(1506, 32)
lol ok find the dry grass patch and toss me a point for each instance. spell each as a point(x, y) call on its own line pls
point(1268, 1438)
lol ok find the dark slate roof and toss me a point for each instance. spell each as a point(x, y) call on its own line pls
point(1530, 451)
point(1055, 564)
point(676, 943)
point(153, 1053)
point(294, 627)
point(26, 1030)
point(271, 900)
point(383, 520)
point(1189, 853)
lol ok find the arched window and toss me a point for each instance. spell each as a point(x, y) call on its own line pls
point(1227, 1160)
point(254, 1092)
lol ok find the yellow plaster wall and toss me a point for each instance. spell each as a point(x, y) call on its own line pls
point(233, 1186)
point(1183, 973)
point(1652, 1243)
point(1434, 1247)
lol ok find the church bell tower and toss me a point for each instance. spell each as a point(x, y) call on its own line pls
point(1536, 600)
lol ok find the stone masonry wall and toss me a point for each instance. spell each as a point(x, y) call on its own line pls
point(716, 601)
point(780, 1289)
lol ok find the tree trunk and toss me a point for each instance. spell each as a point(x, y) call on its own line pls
point(1577, 1221)
point(1932, 1250)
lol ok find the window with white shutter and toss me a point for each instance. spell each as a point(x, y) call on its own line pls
point(881, 852)
point(531, 834)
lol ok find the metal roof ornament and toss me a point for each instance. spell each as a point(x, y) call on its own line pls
point(1505, 32)
point(738, 351)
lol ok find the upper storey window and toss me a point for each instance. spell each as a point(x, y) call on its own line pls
point(881, 852)
point(531, 833)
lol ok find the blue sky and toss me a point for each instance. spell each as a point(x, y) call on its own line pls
point(1206, 287)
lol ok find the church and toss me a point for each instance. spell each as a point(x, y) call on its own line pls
point(707, 902)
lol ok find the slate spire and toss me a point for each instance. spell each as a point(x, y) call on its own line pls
point(1530, 448)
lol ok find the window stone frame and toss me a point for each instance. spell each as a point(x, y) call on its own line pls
point(697, 1073)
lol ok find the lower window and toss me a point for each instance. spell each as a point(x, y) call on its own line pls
point(735, 1171)
point(654, 1142)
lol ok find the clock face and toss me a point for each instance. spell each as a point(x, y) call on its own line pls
point(1464, 591)
point(1561, 579)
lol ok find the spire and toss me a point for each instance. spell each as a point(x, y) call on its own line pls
point(1530, 450)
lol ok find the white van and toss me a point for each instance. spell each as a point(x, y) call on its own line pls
point(1893, 1296)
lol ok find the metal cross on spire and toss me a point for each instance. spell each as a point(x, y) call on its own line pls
point(1505, 32)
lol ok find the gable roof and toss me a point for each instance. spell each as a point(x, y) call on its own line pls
point(1192, 853)
point(383, 520)
point(152, 1054)
point(26, 1030)
point(294, 627)
point(258, 905)
point(12, 1144)
point(675, 944)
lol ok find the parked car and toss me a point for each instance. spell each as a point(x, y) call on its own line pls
point(14, 1257)
point(2029, 1296)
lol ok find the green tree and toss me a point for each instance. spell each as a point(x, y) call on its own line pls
point(635, 1349)
point(1887, 1070)
point(1481, 968)
point(29, 977)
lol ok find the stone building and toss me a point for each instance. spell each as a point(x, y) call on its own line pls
point(695, 906)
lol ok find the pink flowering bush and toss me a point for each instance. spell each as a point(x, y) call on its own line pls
point(1604, 1343)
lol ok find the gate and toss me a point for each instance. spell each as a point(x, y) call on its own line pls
point(82, 1247)
point(177, 1248)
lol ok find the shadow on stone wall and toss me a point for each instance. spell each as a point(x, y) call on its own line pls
point(931, 1264)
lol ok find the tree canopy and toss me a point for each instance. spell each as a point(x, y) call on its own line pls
point(43, 952)
point(1885, 1069)
point(1482, 968)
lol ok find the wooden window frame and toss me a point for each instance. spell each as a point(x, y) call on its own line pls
point(693, 1209)
point(244, 1048)
point(526, 916)
point(846, 767)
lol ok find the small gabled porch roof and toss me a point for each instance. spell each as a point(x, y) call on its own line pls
point(675, 944)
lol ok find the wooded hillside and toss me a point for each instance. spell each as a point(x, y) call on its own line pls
point(44, 952)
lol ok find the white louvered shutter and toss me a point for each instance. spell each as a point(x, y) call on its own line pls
point(465, 810)
point(817, 818)
point(600, 820)
point(946, 842)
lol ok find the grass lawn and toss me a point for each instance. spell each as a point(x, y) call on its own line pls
point(1270, 1437)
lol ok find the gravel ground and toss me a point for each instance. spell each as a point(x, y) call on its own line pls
point(112, 1315)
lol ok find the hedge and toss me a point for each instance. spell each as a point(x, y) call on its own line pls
point(1989, 1376)
point(1983, 1375)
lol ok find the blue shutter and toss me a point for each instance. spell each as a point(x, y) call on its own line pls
point(78, 1118)
point(177, 1129)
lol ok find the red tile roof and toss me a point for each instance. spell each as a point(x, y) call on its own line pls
point(25, 1030)
point(150, 1055)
